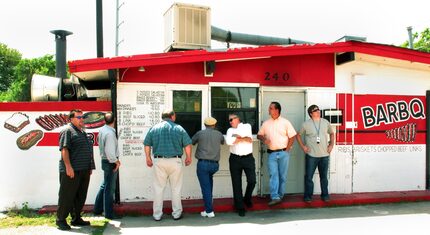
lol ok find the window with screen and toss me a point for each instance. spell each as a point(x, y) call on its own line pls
point(242, 101)
point(188, 109)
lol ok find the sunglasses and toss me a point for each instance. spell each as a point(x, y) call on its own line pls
point(315, 110)
point(231, 119)
point(79, 117)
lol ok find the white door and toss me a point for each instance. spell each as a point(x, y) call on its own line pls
point(293, 105)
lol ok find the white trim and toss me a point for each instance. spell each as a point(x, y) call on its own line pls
point(233, 84)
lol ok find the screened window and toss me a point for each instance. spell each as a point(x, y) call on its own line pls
point(239, 100)
point(188, 108)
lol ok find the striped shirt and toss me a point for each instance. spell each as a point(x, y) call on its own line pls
point(167, 139)
point(80, 149)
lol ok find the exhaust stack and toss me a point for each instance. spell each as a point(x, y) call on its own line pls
point(60, 58)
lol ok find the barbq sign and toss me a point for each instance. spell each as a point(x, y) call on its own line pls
point(387, 119)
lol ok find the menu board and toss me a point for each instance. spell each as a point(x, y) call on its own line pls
point(139, 108)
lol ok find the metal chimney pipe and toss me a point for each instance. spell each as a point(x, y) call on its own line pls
point(411, 39)
point(99, 25)
point(60, 57)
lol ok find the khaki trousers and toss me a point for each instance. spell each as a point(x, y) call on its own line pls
point(167, 170)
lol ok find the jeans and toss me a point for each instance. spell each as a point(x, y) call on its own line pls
point(311, 164)
point(205, 171)
point(104, 199)
point(237, 166)
point(278, 171)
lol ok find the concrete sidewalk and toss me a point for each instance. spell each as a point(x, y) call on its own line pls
point(260, 203)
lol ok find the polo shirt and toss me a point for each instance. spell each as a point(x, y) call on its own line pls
point(278, 131)
point(167, 139)
point(80, 149)
point(209, 144)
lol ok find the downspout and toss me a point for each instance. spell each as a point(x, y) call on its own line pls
point(250, 39)
point(113, 85)
point(427, 139)
point(411, 39)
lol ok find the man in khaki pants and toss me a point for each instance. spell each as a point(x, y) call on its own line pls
point(168, 140)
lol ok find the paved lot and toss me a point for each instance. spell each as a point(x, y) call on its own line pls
point(399, 218)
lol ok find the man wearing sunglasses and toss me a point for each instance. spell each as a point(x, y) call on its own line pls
point(278, 134)
point(317, 148)
point(239, 138)
point(76, 165)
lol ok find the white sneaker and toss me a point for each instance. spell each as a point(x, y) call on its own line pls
point(209, 215)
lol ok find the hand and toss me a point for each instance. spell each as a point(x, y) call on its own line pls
point(70, 172)
point(117, 164)
point(149, 162)
point(188, 161)
point(330, 148)
point(306, 149)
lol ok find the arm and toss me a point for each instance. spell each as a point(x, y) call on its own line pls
point(302, 145)
point(290, 143)
point(229, 138)
point(148, 156)
point(66, 159)
point(187, 150)
point(330, 146)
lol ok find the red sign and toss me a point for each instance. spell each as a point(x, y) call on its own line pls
point(382, 119)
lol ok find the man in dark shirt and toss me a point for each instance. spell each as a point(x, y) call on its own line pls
point(76, 165)
point(208, 150)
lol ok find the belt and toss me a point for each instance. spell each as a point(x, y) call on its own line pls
point(207, 160)
point(277, 150)
point(168, 156)
point(241, 156)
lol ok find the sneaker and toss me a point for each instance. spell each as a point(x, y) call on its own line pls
point(177, 218)
point(209, 215)
point(62, 225)
point(157, 219)
point(80, 222)
point(274, 202)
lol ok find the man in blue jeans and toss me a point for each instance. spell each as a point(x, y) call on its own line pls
point(108, 145)
point(317, 148)
point(209, 143)
point(278, 134)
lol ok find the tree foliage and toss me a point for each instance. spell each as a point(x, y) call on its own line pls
point(9, 59)
point(19, 73)
point(423, 42)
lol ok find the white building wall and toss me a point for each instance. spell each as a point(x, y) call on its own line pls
point(381, 169)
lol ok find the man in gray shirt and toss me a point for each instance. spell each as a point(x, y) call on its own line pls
point(208, 153)
point(317, 150)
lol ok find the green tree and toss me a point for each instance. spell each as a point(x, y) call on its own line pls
point(9, 58)
point(423, 42)
point(19, 90)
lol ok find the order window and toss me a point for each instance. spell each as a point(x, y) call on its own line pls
point(188, 109)
point(242, 101)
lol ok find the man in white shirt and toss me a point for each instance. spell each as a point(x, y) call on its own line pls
point(239, 138)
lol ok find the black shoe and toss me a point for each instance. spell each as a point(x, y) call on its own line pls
point(113, 217)
point(80, 222)
point(249, 204)
point(177, 218)
point(326, 199)
point(308, 200)
point(241, 212)
point(274, 202)
point(97, 213)
point(62, 225)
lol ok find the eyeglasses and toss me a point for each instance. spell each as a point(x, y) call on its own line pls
point(315, 110)
point(79, 117)
point(231, 119)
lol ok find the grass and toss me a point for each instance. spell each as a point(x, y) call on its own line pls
point(29, 217)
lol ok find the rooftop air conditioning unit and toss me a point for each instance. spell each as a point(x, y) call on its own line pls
point(187, 27)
